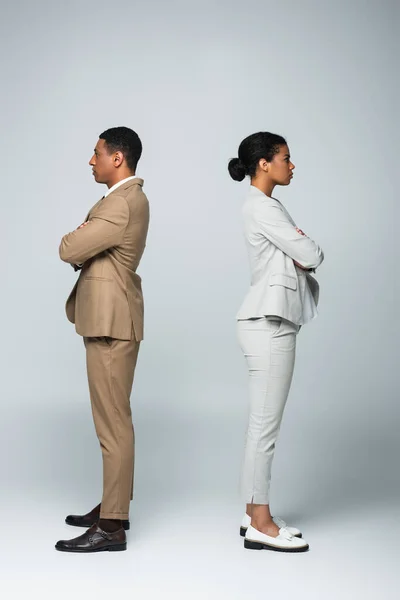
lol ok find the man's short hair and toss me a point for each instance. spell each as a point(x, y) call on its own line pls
point(126, 141)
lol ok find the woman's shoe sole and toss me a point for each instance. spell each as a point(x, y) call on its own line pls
point(259, 546)
point(244, 529)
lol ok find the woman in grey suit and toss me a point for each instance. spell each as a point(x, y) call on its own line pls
point(283, 296)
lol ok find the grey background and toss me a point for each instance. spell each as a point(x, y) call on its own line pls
point(194, 79)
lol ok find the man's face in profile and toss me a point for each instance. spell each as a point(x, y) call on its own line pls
point(102, 163)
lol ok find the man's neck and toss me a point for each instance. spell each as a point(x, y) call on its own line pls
point(111, 184)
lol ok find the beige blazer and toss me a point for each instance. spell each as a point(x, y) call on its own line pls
point(107, 299)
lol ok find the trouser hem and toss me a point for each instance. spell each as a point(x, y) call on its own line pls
point(257, 499)
point(120, 516)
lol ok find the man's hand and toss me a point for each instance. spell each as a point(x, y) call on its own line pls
point(83, 225)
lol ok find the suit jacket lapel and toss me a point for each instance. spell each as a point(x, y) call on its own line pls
point(127, 185)
point(93, 208)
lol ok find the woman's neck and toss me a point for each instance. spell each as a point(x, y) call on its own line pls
point(265, 186)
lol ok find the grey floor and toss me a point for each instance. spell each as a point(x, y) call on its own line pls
point(184, 540)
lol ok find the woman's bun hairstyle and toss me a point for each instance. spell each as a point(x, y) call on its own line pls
point(236, 169)
point(253, 148)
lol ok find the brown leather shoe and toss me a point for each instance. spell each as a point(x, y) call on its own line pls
point(95, 540)
point(89, 519)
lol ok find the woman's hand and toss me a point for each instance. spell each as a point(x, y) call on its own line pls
point(303, 268)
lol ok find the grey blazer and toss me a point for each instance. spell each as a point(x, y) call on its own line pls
point(278, 286)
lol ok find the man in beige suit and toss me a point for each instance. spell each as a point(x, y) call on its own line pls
point(106, 305)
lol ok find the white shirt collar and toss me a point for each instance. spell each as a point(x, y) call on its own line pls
point(114, 187)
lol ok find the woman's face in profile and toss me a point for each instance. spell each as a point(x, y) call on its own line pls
point(280, 169)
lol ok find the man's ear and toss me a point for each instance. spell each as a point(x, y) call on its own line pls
point(118, 158)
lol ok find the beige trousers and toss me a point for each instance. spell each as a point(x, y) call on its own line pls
point(110, 368)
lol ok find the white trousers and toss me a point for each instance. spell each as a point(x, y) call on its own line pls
point(269, 346)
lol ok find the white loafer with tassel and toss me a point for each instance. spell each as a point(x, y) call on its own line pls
point(284, 542)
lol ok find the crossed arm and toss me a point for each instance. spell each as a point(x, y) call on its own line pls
point(276, 227)
point(105, 230)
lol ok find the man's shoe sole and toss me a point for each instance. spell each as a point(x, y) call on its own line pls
point(116, 548)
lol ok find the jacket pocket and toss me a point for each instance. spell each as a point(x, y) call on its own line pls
point(93, 278)
point(286, 281)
